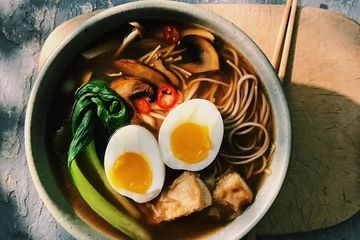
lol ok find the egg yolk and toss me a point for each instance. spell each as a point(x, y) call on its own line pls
point(131, 171)
point(190, 142)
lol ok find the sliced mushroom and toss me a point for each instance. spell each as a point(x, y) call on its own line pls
point(198, 32)
point(160, 65)
point(130, 88)
point(202, 55)
point(133, 87)
point(137, 69)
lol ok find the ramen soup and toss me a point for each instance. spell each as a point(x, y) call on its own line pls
point(160, 130)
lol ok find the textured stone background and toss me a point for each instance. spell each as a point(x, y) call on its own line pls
point(24, 25)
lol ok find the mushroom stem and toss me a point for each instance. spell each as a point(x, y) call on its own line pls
point(137, 31)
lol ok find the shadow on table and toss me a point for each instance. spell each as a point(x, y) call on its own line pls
point(348, 229)
point(10, 225)
point(10, 123)
point(322, 185)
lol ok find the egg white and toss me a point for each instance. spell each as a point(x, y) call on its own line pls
point(134, 138)
point(199, 111)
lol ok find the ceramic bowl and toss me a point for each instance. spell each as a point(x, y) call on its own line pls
point(89, 30)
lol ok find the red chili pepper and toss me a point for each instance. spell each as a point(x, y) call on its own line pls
point(171, 34)
point(143, 105)
point(166, 97)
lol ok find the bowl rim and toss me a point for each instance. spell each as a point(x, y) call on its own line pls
point(274, 91)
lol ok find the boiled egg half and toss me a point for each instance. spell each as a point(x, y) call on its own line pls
point(133, 164)
point(191, 134)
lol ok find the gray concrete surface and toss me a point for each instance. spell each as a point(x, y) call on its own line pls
point(24, 25)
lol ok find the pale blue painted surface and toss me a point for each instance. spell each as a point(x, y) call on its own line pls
point(24, 25)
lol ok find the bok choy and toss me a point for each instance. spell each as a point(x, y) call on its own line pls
point(96, 101)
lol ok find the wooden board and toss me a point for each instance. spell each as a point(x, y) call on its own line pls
point(322, 187)
point(323, 89)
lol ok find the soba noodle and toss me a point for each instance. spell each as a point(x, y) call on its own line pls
point(152, 75)
point(245, 110)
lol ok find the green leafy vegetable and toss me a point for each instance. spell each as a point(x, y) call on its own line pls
point(91, 100)
point(105, 209)
point(94, 162)
point(94, 101)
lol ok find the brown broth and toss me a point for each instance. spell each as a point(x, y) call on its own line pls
point(191, 227)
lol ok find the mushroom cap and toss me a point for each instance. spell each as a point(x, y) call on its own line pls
point(203, 54)
point(128, 87)
point(133, 68)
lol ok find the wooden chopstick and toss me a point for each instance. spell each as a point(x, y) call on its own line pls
point(275, 61)
point(287, 43)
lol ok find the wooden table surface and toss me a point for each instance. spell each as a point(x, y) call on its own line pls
point(24, 27)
